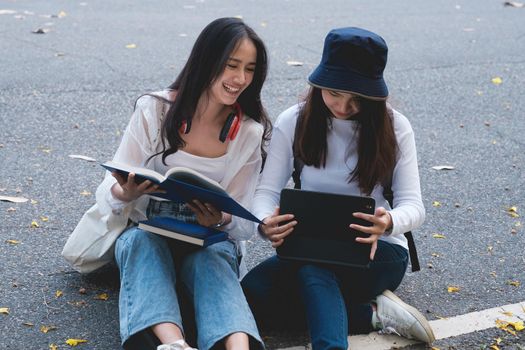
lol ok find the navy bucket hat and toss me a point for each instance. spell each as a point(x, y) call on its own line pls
point(353, 61)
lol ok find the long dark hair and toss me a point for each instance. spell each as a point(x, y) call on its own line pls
point(206, 63)
point(377, 144)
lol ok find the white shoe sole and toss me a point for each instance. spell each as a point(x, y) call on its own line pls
point(414, 312)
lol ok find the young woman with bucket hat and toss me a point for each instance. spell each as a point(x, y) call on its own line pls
point(350, 142)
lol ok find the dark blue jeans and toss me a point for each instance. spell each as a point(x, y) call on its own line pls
point(331, 301)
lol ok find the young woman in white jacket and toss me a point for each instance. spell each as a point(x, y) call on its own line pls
point(211, 120)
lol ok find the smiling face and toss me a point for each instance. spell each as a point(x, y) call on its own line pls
point(237, 75)
point(342, 105)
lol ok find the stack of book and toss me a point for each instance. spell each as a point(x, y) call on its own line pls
point(183, 231)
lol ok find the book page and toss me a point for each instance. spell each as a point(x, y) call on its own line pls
point(194, 178)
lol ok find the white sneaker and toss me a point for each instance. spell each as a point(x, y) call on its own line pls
point(178, 345)
point(402, 319)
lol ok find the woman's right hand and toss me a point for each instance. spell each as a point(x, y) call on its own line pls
point(127, 190)
point(273, 231)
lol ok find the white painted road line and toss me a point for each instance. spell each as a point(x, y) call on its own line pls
point(477, 321)
point(443, 328)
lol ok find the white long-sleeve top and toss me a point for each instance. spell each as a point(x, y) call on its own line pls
point(237, 171)
point(408, 212)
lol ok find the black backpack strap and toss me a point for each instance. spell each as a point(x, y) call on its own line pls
point(298, 163)
point(296, 175)
point(414, 260)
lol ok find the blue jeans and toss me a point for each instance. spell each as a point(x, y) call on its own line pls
point(334, 301)
point(151, 266)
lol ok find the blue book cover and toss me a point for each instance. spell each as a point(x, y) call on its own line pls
point(184, 185)
point(183, 231)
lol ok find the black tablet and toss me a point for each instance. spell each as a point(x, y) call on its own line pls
point(322, 233)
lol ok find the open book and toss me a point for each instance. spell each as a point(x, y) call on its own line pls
point(184, 185)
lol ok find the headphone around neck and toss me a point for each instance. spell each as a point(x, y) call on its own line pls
point(230, 128)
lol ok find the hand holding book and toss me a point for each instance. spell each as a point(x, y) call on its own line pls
point(207, 215)
point(127, 189)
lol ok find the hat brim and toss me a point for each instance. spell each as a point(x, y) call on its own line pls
point(348, 81)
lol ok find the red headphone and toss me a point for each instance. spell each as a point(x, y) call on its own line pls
point(230, 128)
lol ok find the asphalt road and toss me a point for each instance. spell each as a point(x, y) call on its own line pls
point(71, 91)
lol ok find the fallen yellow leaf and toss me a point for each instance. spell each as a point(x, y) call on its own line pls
point(77, 303)
point(4, 310)
point(514, 283)
point(504, 325)
point(29, 324)
point(44, 218)
point(61, 14)
point(452, 289)
point(519, 326)
point(438, 235)
point(131, 46)
point(34, 201)
point(498, 340)
point(513, 212)
point(436, 204)
point(75, 342)
point(58, 293)
point(34, 224)
point(12, 241)
point(497, 80)
point(495, 347)
point(507, 313)
point(45, 329)
point(53, 347)
point(102, 296)
point(85, 193)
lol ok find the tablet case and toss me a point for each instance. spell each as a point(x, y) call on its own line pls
point(322, 234)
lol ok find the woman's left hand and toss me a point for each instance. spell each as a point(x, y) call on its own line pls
point(381, 221)
point(208, 215)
